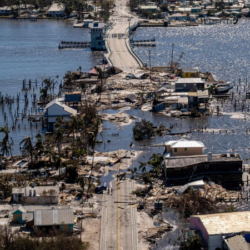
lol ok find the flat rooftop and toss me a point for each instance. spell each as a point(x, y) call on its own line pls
point(225, 223)
point(189, 80)
point(185, 161)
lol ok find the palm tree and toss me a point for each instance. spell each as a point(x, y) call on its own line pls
point(59, 122)
point(156, 160)
point(81, 182)
point(142, 166)
point(67, 79)
point(79, 69)
point(146, 179)
point(101, 76)
point(48, 82)
point(133, 171)
point(59, 164)
point(74, 125)
point(44, 93)
point(59, 137)
point(7, 141)
point(28, 146)
point(39, 147)
point(50, 153)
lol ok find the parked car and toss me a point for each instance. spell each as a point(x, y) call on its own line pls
point(184, 110)
point(100, 189)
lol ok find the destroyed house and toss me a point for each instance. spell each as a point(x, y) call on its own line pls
point(74, 97)
point(225, 169)
point(36, 195)
point(187, 84)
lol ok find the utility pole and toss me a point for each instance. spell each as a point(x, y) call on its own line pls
point(171, 65)
point(149, 55)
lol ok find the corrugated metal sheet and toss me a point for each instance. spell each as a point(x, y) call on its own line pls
point(237, 242)
point(54, 217)
point(38, 217)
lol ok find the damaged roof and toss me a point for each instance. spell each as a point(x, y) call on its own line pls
point(32, 208)
point(185, 161)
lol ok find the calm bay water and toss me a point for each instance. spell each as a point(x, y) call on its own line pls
point(221, 49)
point(30, 50)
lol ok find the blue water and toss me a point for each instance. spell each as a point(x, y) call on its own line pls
point(30, 50)
point(221, 49)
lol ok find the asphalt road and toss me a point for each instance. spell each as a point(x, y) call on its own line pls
point(119, 217)
point(117, 38)
point(119, 220)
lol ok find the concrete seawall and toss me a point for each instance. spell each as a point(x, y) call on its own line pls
point(129, 46)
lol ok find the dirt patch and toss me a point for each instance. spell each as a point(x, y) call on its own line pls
point(91, 234)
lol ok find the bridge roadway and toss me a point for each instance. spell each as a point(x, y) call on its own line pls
point(118, 36)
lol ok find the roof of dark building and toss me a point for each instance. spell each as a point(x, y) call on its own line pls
point(185, 161)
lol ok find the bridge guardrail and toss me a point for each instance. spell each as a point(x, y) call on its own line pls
point(108, 47)
point(130, 49)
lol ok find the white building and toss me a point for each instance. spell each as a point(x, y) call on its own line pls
point(57, 10)
point(184, 148)
point(5, 11)
point(55, 109)
point(36, 195)
point(97, 31)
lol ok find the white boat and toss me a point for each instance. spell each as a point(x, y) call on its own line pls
point(223, 87)
point(211, 20)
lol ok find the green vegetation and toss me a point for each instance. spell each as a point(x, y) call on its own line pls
point(194, 243)
point(12, 240)
point(143, 130)
point(7, 141)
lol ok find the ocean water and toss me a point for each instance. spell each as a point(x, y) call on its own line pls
point(30, 50)
point(221, 49)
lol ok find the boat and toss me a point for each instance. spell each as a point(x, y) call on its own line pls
point(246, 12)
point(223, 87)
point(212, 20)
